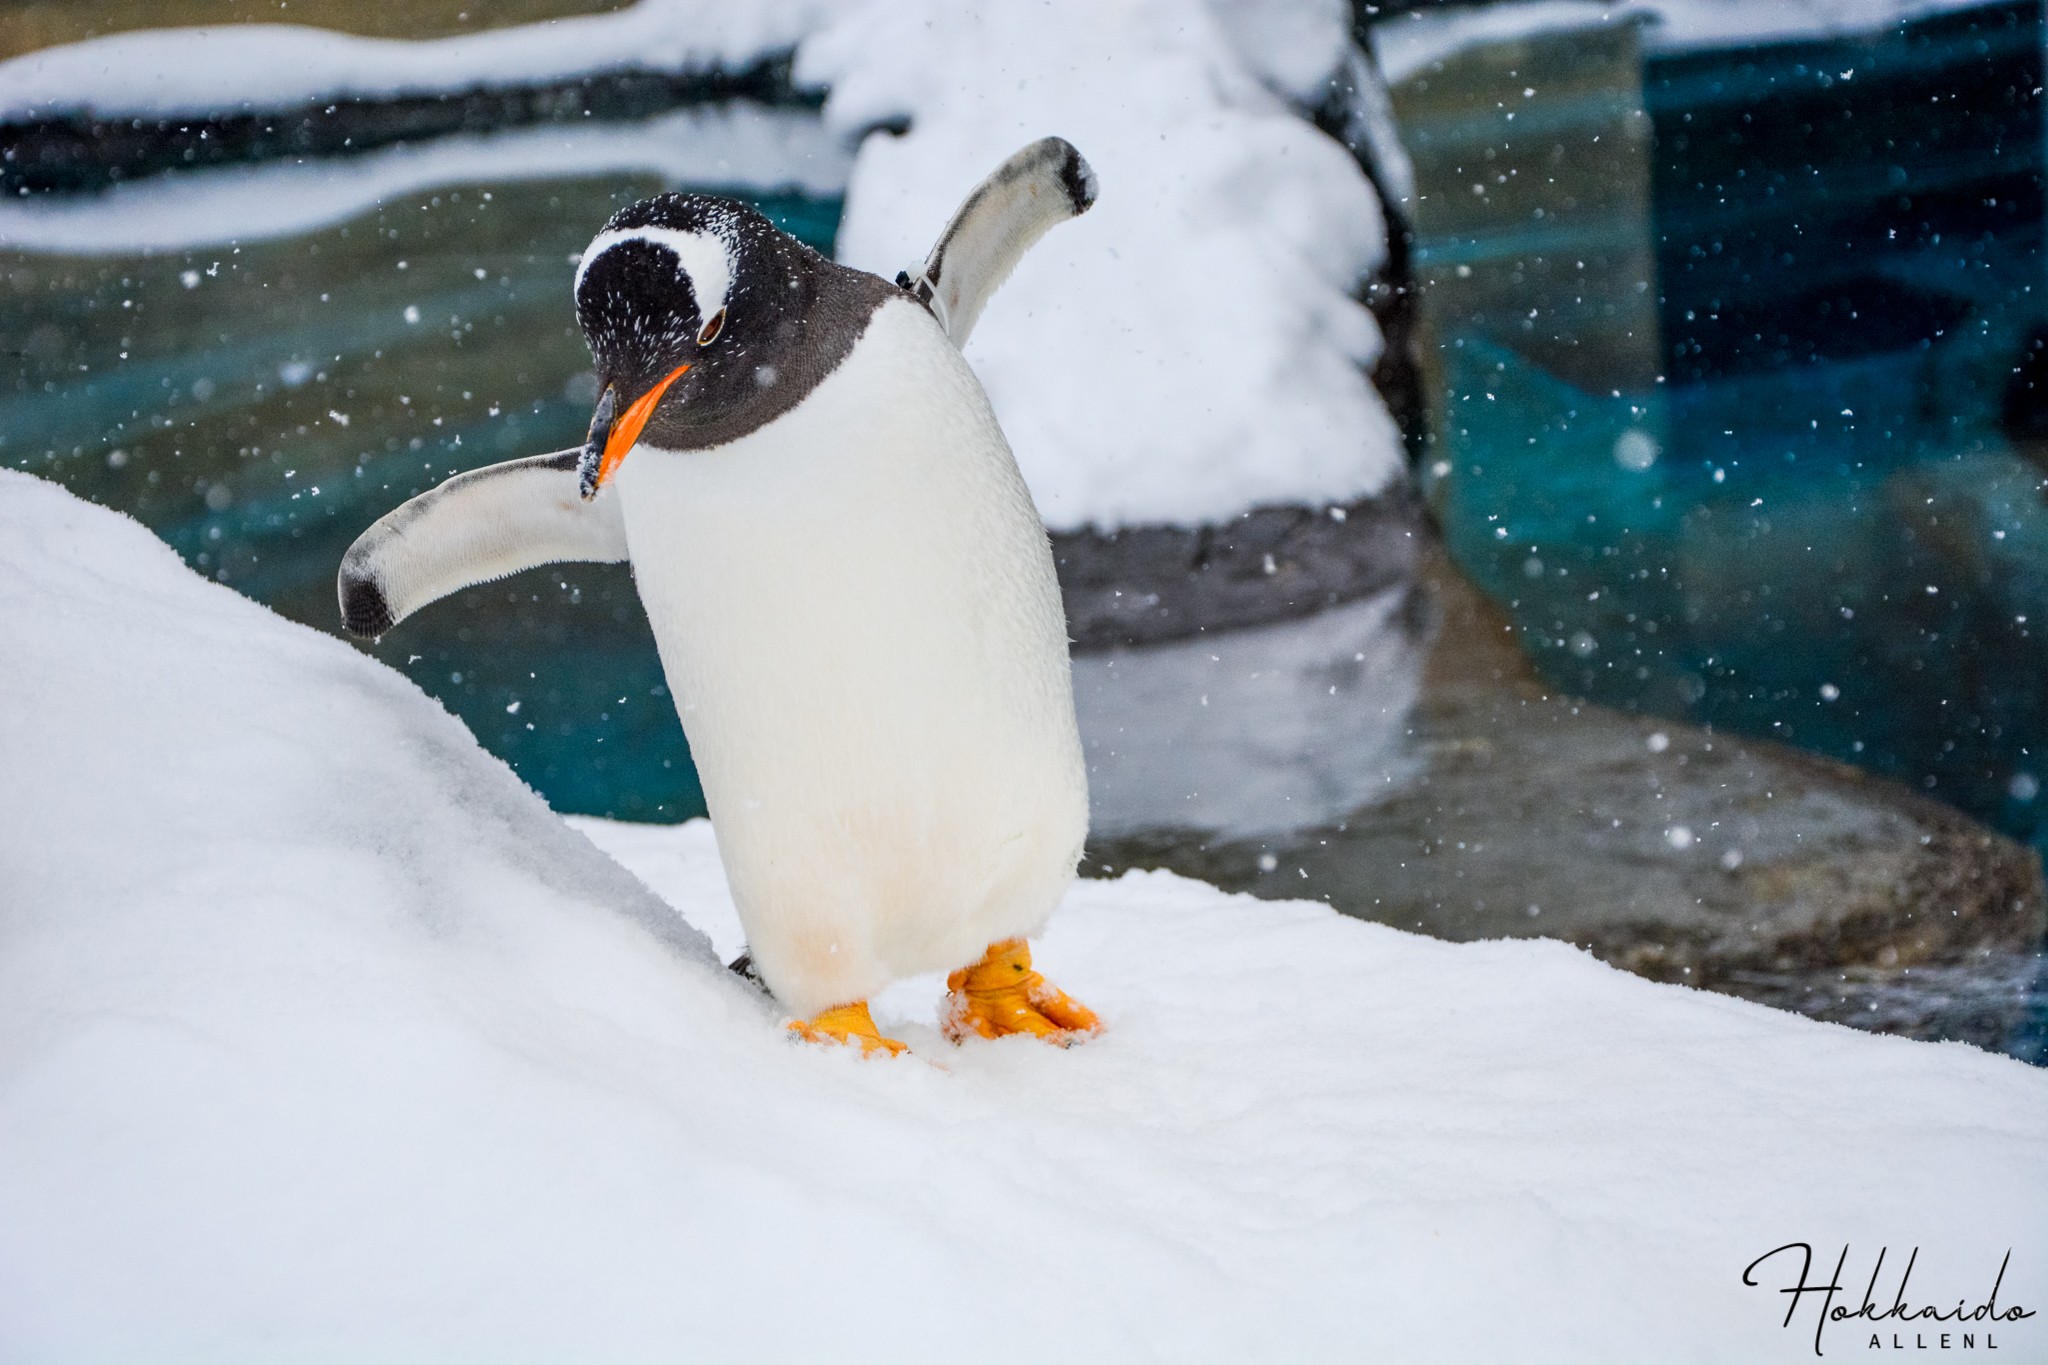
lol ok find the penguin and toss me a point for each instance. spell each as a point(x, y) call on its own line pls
point(850, 588)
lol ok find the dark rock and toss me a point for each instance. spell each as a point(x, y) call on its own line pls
point(1150, 584)
point(79, 151)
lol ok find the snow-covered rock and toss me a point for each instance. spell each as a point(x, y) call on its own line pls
point(1191, 347)
point(1294, 46)
point(321, 1038)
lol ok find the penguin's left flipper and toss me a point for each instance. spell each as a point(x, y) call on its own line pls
point(1037, 189)
point(476, 527)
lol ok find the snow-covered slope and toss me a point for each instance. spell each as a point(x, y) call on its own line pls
point(322, 1039)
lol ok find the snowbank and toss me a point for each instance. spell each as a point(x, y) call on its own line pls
point(728, 146)
point(1294, 46)
point(155, 73)
point(321, 1038)
point(1190, 347)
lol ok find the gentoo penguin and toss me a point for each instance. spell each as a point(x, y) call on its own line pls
point(850, 588)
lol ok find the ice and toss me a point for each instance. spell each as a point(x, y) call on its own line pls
point(1407, 44)
point(320, 1037)
point(1189, 348)
point(1681, 24)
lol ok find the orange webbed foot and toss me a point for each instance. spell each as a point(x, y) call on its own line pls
point(1001, 995)
point(847, 1025)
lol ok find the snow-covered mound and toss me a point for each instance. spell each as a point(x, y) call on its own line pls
point(1190, 347)
point(1188, 350)
point(321, 1039)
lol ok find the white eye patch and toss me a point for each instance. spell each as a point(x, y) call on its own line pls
point(701, 256)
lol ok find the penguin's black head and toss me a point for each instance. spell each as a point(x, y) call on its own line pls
point(654, 291)
point(657, 282)
point(697, 311)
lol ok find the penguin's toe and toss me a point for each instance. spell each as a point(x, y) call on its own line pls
point(847, 1025)
point(1001, 995)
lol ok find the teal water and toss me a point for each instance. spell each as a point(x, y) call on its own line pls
point(1821, 520)
point(258, 406)
point(1811, 506)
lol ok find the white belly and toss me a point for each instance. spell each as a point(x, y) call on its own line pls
point(858, 617)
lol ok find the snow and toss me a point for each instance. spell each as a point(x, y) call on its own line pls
point(160, 72)
point(1369, 124)
point(1188, 348)
point(1294, 46)
point(321, 1038)
point(729, 146)
point(1407, 44)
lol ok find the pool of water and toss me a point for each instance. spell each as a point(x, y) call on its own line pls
point(258, 405)
point(1737, 402)
point(1799, 494)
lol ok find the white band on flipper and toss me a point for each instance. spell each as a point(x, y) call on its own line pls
point(476, 527)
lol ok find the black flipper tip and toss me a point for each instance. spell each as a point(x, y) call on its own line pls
point(1077, 177)
point(364, 612)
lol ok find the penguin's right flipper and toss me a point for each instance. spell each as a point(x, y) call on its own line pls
point(1034, 191)
point(476, 527)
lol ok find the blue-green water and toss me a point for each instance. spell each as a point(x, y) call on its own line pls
point(259, 406)
point(1822, 521)
point(1802, 496)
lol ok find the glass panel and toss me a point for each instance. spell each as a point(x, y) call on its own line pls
point(1737, 410)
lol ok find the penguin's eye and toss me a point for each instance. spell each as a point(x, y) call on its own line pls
point(708, 333)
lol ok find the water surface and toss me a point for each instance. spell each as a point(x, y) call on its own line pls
point(258, 405)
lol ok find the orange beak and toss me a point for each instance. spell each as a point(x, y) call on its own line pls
point(626, 430)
